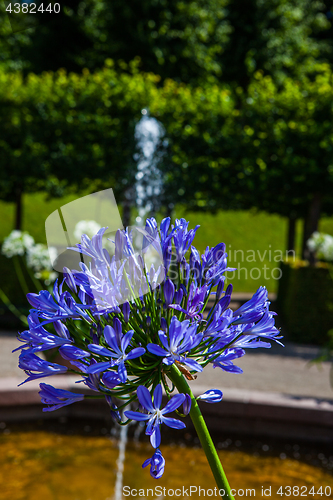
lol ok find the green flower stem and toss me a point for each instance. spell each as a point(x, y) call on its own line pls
point(20, 275)
point(12, 308)
point(200, 426)
point(35, 281)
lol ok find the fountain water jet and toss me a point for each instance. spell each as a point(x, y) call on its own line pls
point(120, 462)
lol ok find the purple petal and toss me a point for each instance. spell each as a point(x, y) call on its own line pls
point(156, 349)
point(158, 397)
point(98, 367)
point(155, 438)
point(110, 379)
point(111, 338)
point(144, 398)
point(126, 340)
point(102, 351)
point(146, 462)
point(178, 308)
point(135, 415)
point(136, 353)
point(118, 330)
point(169, 360)
point(150, 426)
point(187, 404)
point(176, 333)
point(229, 368)
point(192, 364)
point(122, 373)
point(164, 340)
point(174, 403)
point(71, 352)
point(173, 422)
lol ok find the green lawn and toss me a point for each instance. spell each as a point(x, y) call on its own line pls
point(255, 241)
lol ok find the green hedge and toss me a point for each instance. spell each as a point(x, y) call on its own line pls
point(305, 302)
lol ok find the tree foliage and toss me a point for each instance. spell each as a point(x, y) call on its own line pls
point(63, 131)
point(243, 91)
point(192, 42)
point(280, 37)
point(273, 153)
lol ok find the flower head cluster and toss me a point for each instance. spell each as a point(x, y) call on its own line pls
point(322, 244)
point(125, 326)
point(38, 257)
point(17, 243)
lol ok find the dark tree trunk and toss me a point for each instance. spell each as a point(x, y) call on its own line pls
point(305, 238)
point(311, 225)
point(291, 234)
point(128, 203)
point(169, 210)
point(18, 208)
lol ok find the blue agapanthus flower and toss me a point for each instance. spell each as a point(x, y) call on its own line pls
point(130, 320)
point(36, 367)
point(182, 338)
point(211, 396)
point(57, 398)
point(157, 464)
point(155, 416)
point(118, 344)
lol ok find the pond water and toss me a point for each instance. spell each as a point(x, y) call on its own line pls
point(45, 464)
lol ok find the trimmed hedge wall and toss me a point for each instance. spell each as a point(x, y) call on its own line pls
point(305, 302)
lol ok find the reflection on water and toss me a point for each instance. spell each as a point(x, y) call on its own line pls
point(37, 464)
point(121, 462)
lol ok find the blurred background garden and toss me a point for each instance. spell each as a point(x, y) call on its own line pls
point(216, 110)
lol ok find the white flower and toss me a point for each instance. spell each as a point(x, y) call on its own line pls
point(325, 251)
point(53, 254)
point(322, 244)
point(88, 227)
point(315, 241)
point(38, 257)
point(17, 243)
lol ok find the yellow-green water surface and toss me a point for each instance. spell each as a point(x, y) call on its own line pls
point(40, 465)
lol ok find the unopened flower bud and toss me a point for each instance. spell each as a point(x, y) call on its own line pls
point(178, 296)
point(114, 413)
point(211, 396)
point(69, 279)
point(164, 325)
point(169, 291)
point(187, 404)
point(219, 289)
point(118, 330)
point(126, 311)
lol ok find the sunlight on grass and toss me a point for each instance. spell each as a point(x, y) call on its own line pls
point(255, 241)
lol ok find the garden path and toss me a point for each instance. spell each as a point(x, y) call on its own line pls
point(284, 370)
